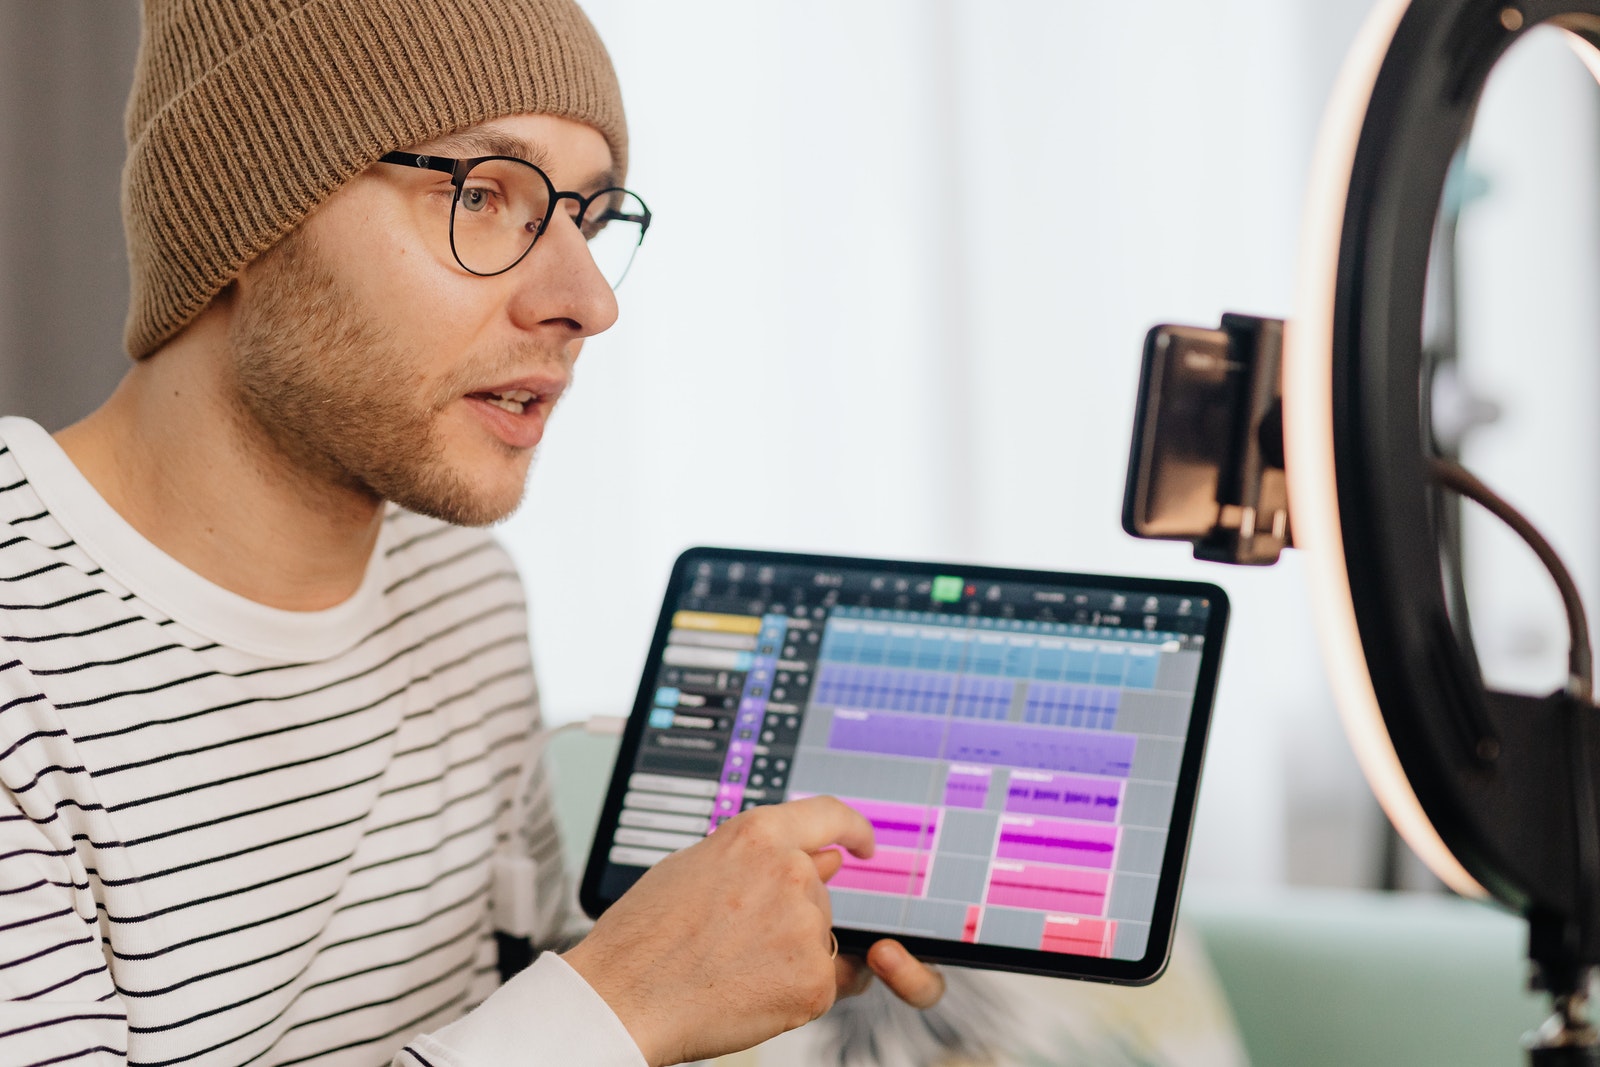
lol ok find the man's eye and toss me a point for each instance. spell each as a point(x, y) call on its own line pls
point(477, 198)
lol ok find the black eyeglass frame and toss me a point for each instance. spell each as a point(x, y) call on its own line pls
point(458, 169)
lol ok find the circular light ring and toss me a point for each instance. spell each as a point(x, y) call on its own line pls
point(1352, 410)
point(1309, 452)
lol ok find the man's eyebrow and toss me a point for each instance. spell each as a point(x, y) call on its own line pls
point(604, 180)
point(469, 143)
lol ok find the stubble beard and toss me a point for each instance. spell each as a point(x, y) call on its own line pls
point(329, 389)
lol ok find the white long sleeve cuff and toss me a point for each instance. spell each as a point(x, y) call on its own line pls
point(546, 1015)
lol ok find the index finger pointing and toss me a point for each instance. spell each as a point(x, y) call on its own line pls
point(817, 822)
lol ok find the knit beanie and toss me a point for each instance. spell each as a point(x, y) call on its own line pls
point(247, 114)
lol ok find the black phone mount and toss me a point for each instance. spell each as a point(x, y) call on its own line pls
point(1507, 780)
point(1207, 462)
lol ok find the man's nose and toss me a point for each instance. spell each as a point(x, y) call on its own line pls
point(559, 283)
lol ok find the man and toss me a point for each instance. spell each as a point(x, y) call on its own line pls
point(264, 692)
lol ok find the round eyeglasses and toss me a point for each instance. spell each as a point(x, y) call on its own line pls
point(502, 204)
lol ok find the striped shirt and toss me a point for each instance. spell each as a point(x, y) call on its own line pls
point(232, 834)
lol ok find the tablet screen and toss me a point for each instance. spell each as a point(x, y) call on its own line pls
point(1026, 745)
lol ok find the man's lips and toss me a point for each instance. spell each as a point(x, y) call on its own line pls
point(516, 411)
point(544, 388)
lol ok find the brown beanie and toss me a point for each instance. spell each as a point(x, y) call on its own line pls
point(247, 114)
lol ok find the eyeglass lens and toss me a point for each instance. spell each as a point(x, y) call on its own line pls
point(503, 205)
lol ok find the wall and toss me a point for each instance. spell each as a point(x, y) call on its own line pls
point(65, 67)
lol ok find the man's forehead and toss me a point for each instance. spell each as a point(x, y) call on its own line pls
point(574, 151)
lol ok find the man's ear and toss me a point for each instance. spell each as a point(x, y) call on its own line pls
point(221, 307)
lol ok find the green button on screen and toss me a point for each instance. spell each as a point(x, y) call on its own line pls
point(946, 589)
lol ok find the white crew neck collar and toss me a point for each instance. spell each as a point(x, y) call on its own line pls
point(175, 590)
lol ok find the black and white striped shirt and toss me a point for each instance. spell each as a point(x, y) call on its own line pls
point(231, 834)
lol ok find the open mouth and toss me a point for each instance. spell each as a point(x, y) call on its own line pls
point(515, 401)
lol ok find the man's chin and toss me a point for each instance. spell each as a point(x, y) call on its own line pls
point(460, 503)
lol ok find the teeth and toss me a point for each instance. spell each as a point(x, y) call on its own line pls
point(512, 400)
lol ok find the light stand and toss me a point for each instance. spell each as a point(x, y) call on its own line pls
point(1495, 792)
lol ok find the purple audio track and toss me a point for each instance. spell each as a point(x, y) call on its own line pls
point(968, 741)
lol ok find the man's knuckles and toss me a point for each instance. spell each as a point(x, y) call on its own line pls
point(756, 831)
point(759, 845)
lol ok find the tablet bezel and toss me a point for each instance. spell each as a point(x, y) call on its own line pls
point(994, 957)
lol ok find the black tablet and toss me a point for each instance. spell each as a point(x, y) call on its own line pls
point(1027, 746)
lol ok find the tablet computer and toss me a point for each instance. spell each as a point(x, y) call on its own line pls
point(1026, 744)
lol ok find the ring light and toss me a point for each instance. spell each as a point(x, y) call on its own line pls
point(1308, 374)
point(1495, 792)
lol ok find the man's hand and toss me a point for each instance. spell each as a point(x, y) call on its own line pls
point(727, 943)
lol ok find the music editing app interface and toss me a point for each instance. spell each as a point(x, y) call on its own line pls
point(1016, 746)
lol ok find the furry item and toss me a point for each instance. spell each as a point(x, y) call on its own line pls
point(968, 1025)
point(993, 1019)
